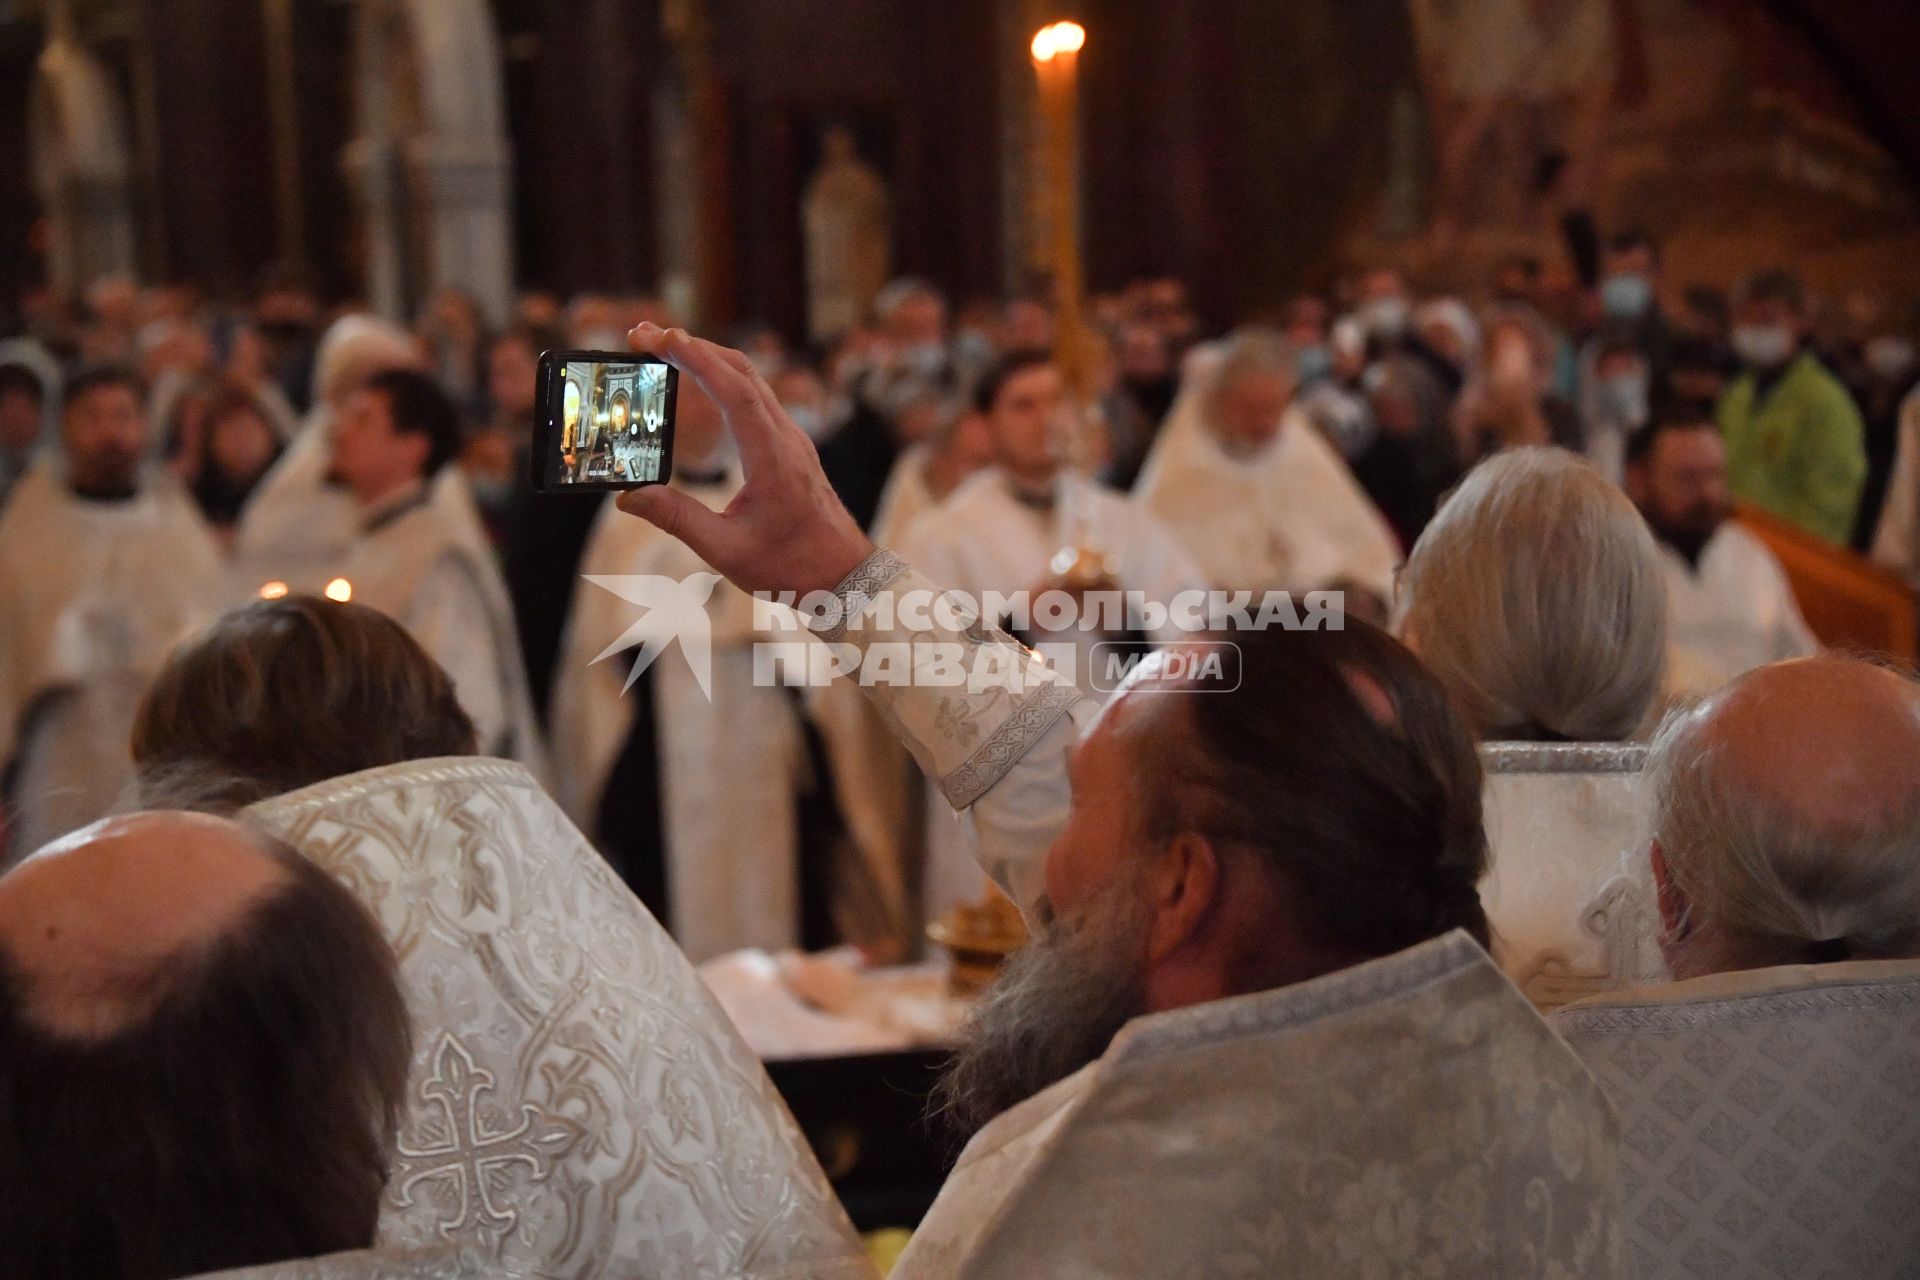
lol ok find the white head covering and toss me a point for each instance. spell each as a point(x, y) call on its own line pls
point(1411, 1110)
point(580, 1106)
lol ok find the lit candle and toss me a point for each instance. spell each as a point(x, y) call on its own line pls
point(1056, 60)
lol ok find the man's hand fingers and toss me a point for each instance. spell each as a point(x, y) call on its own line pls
point(752, 414)
point(680, 515)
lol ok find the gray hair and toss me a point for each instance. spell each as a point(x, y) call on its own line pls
point(902, 290)
point(1536, 596)
point(1251, 350)
point(1780, 889)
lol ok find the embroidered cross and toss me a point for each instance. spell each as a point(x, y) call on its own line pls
point(470, 1150)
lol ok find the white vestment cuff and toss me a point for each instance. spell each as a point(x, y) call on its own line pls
point(976, 699)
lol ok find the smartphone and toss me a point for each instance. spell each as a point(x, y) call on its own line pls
point(604, 421)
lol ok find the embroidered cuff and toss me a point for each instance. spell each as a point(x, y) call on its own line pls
point(967, 700)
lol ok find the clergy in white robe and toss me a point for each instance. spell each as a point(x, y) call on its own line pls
point(296, 526)
point(928, 471)
point(105, 564)
point(582, 1109)
point(1004, 530)
point(729, 757)
point(424, 560)
point(1769, 1096)
point(1219, 888)
point(1729, 606)
point(1413, 1106)
point(1253, 492)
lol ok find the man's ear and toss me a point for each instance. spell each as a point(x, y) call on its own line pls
point(1180, 891)
point(1673, 900)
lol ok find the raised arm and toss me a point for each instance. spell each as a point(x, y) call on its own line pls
point(996, 742)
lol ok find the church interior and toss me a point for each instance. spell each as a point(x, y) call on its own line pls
point(756, 639)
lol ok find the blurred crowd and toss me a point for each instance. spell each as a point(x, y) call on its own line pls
point(1412, 386)
point(1689, 398)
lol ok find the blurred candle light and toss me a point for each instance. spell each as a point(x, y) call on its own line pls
point(340, 590)
point(273, 590)
point(1056, 62)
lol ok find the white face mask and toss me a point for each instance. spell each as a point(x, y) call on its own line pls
point(1762, 345)
point(809, 418)
point(1385, 317)
point(1889, 356)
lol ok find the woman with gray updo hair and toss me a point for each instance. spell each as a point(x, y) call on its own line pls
point(1536, 597)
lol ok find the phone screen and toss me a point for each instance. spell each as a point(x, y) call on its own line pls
point(606, 421)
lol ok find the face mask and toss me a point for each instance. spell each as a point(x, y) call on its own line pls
point(973, 348)
point(1889, 356)
point(1624, 397)
point(809, 419)
point(1314, 362)
point(927, 358)
point(1385, 317)
point(1626, 297)
point(1762, 346)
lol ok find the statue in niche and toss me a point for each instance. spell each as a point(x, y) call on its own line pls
point(847, 217)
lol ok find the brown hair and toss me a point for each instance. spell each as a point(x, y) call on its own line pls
point(247, 1117)
point(289, 692)
point(1341, 761)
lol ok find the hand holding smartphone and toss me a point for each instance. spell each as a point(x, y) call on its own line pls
point(604, 421)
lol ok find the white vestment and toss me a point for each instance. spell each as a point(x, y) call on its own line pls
point(426, 564)
point(731, 767)
point(1411, 1109)
point(1569, 887)
point(1732, 614)
point(1291, 517)
point(1770, 1119)
point(295, 527)
point(580, 1108)
point(984, 539)
point(93, 596)
point(906, 497)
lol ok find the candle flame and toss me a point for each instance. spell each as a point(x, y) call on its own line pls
point(340, 591)
point(1056, 38)
point(273, 590)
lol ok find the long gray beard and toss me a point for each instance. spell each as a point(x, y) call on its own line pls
point(1054, 1008)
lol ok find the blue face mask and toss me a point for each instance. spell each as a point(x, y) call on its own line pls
point(1626, 297)
point(1314, 362)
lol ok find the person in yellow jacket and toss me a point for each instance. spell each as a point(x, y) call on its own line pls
point(1795, 442)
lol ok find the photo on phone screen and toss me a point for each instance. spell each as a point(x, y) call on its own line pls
point(606, 421)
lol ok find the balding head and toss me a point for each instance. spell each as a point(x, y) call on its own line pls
point(180, 993)
point(1787, 818)
point(91, 921)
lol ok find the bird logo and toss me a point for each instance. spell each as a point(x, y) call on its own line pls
point(673, 608)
